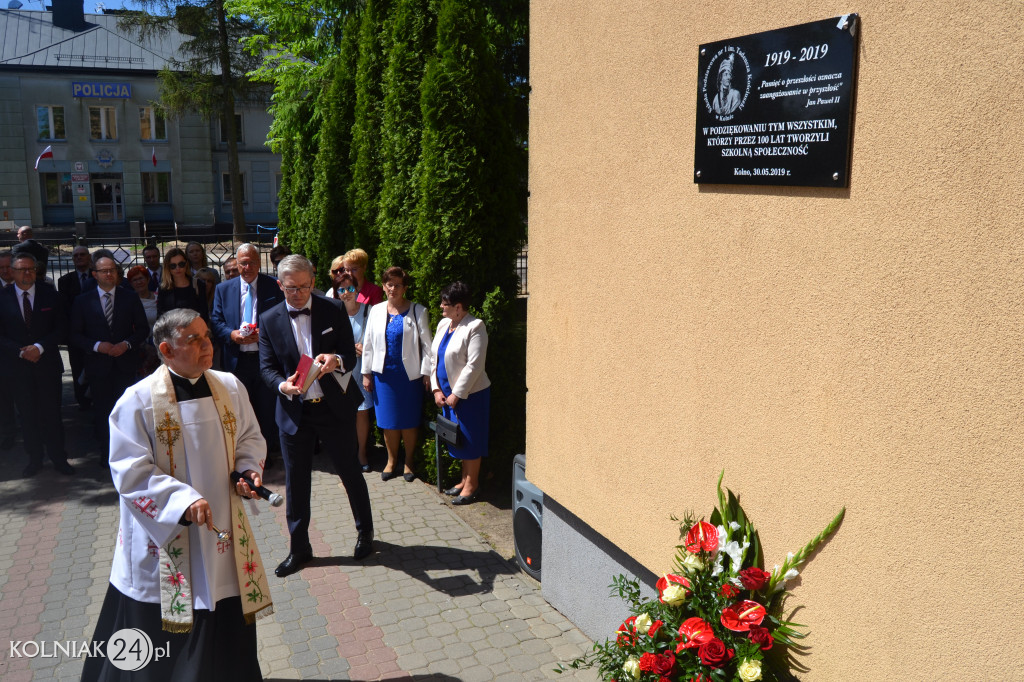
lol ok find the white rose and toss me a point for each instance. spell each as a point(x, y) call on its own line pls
point(749, 670)
point(632, 668)
point(674, 594)
point(642, 623)
point(692, 563)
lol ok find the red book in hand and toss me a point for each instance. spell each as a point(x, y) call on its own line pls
point(308, 371)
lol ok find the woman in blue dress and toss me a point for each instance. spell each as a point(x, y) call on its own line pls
point(461, 388)
point(396, 365)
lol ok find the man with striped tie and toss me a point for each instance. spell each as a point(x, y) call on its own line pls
point(108, 324)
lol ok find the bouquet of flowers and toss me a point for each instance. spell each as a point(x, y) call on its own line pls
point(718, 616)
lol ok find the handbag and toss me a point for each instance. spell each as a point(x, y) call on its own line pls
point(447, 431)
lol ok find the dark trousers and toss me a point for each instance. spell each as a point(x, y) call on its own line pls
point(339, 440)
point(38, 402)
point(8, 422)
point(106, 390)
point(77, 357)
point(261, 396)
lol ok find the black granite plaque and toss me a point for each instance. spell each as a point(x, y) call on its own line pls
point(774, 108)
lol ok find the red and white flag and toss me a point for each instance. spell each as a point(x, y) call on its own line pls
point(154, 156)
point(47, 154)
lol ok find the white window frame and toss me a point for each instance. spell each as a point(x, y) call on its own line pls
point(106, 135)
point(149, 113)
point(51, 123)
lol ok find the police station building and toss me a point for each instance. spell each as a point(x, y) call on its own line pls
point(76, 84)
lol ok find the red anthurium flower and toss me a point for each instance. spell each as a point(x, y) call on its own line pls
point(655, 626)
point(703, 537)
point(676, 596)
point(740, 617)
point(729, 591)
point(762, 636)
point(694, 632)
point(626, 634)
point(754, 578)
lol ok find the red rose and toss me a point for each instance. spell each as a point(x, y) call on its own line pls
point(714, 654)
point(703, 537)
point(754, 578)
point(762, 636)
point(655, 626)
point(664, 664)
point(647, 661)
point(729, 591)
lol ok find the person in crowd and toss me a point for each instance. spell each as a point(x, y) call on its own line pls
point(151, 255)
point(175, 436)
point(345, 289)
point(461, 388)
point(196, 254)
point(70, 286)
point(138, 278)
point(26, 244)
point(109, 325)
point(230, 268)
point(396, 365)
point(277, 254)
point(176, 287)
point(212, 279)
point(32, 324)
point(314, 326)
point(238, 305)
point(355, 263)
point(6, 274)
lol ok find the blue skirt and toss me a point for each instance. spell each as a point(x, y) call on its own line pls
point(474, 417)
point(397, 401)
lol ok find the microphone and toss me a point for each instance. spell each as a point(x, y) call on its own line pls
point(273, 498)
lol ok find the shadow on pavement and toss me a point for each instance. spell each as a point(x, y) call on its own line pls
point(433, 677)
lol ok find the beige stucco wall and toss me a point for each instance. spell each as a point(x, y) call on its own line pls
point(857, 347)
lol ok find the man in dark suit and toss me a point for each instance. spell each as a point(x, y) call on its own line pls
point(32, 324)
point(304, 324)
point(238, 305)
point(151, 254)
point(108, 323)
point(69, 286)
point(8, 423)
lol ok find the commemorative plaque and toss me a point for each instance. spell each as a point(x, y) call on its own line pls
point(774, 108)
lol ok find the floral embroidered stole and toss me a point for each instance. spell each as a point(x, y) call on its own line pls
point(176, 601)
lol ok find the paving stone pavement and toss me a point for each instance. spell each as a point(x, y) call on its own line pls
point(435, 602)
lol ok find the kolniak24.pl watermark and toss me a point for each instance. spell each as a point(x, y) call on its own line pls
point(128, 649)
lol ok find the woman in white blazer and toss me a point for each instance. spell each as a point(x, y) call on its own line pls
point(460, 385)
point(396, 362)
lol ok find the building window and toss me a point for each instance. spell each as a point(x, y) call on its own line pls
point(152, 124)
point(226, 182)
point(51, 123)
point(56, 188)
point(156, 188)
point(238, 129)
point(102, 123)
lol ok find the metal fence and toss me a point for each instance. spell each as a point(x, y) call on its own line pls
point(219, 248)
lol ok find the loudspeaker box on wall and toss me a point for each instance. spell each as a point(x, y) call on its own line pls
point(528, 510)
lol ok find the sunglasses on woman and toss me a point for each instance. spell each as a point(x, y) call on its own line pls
point(347, 290)
point(177, 266)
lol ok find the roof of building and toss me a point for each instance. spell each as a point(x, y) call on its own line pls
point(28, 38)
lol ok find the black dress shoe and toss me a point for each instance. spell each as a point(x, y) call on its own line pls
point(64, 468)
point(31, 470)
point(469, 499)
point(453, 491)
point(366, 468)
point(364, 546)
point(409, 477)
point(292, 564)
point(388, 475)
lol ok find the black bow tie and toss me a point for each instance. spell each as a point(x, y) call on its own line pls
point(296, 313)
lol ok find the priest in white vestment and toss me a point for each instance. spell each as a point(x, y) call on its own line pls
point(186, 570)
